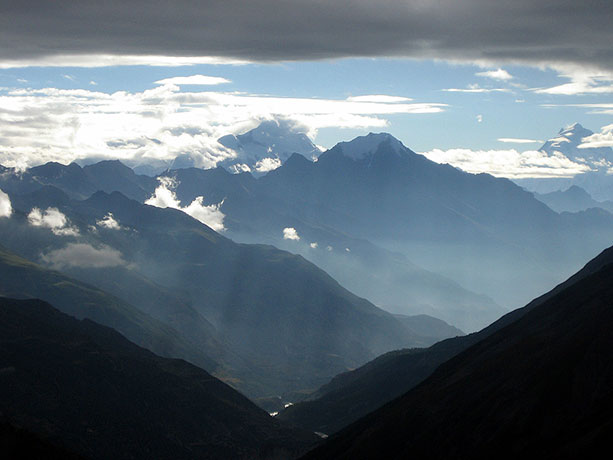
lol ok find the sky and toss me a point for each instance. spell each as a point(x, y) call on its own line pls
point(484, 81)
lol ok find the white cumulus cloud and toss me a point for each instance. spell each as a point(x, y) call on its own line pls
point(6, 209)
point(498, 74)
point(290, 233)
point(267, 164)
point(53, 219)
point(165, 197)
point(109, 222)
point(84, 256)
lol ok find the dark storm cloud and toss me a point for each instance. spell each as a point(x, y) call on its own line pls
point(270, 30)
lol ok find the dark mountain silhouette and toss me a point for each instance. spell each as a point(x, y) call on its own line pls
point(88, 388)
point(19, 444)
point(541, 386)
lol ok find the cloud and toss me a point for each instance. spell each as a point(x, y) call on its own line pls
point(6, 209)
point(602, 139)
point(508, 163)
point(65, 125)
point(193, 80)
point(272, 30)
point(290, 233)
point(165, 197)
point(601, 109)
point(267, 164)
point(84, 256)
point(476, 89)
point(514, 140)
point(378, 98)
point(582, 81)
point(53, 219)
point(109, 222)
point(498, 74)
point(240, 168)
point(110, 60)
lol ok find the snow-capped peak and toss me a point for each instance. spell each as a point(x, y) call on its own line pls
point(567, 143)
point(364, 146)
point(269, 144)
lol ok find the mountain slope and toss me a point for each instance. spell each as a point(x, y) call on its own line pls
point(21, 278)
point(352, 395)
point(100, 395)
point(258, 213)
point(541, 386)
point(573, 199)
point(282, 324)
point(486, 233)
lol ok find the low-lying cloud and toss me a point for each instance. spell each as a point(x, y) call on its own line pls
point(267, 164)
point(602, 139)
point(53, 219)
point(6, 209)
point(83, 255)
point(165, 197)
point(509, 163)
point(109, 222)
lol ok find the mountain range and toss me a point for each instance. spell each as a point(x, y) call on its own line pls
point(411, 235)
point(574, 199)
point(372, 199)
point(269, 322)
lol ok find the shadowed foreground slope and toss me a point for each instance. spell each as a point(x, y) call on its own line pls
point(87, 387)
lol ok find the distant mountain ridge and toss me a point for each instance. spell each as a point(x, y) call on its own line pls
point(573, 199)
point(597, 182)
